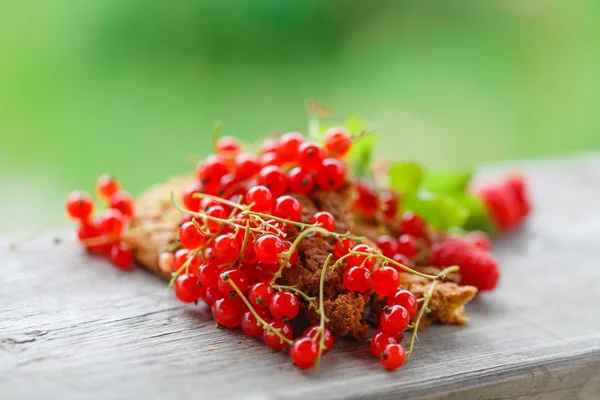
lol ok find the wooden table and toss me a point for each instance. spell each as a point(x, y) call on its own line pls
point(72, 326)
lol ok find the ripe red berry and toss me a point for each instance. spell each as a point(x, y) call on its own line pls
point(477, 267)
point(287, 147)
point(337, 141)
point(394, 319)
point(357, 279)
point(402, 259)
point(106, 186)
point(228, 146)
point(274, 341)
point(385, 281)
point(393, 357)
point(265, 271)
point(480, 239)
point(388, 245)
point(405, 299)
point(189, 201)
point(226, 249)
point(229, 312)
point(269, 146)
point(121, 255)
point(380, 341)
point(389, 203)
point(324, 219)
point(271, 158)
point(362, 260)
point(212, 295)
point(300, 180)
point(251, 326)
point(273, 178)
point(123, 202)
point(260, 199)
point(342, 247)
point(269, 248)
point(332, 174)
point(260, 294)
point(246, 166)
point(368, 199)
point(181, 257)
point(407, 245)
point(111, 223)
point(304, 352)
point(190, 237)
point(89, 233)
point(313, 332)
point(294, 256)
point(208, 274)
point(237, 276)
point(187, 288)
point(79, 205)
point(311, 156)
point(287, 207)
point(284, 305)
point(215, 212)
point(211, 170)
point(412, 224)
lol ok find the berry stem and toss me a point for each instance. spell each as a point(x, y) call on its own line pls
point(215, 135)
point(380, 256)
point(220, 200)
point(185, 267)
point(264, 323)
point(424, 308)
point(311, 300)
point(322, 313)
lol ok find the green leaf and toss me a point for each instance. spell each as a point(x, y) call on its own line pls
point(439, 210)
point(479, 219)
point(361, 155)
point(449, 182)
point(406, 177)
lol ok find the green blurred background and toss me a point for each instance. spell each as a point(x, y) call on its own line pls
point(131, 87)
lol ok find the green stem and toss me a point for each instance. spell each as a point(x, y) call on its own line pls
point(310, 300)
point(380, 256)
point(264, 323)
point(203, 216)
point(185, 267)
point(322, 313)
point(215, 135)
point(220, 200)
point(269, 216)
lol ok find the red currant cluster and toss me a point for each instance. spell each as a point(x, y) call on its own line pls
point(507, 202)
point(102, 235)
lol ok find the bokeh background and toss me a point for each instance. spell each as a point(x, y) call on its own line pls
point(133, 87)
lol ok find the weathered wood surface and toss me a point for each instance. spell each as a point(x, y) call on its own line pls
point(72, 326)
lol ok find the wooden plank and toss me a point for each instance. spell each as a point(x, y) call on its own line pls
point(72, 326)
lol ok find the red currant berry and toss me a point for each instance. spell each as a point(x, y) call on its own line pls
point(237, 276)
point(407, 245)
point(89, 233)
point(362, 260)
point(402, 259)
point(357, 279)
point(300, 180)
point(123, 202)
point(294, 256)
point(208, 274)
point(325, 220)
point(189, 201)
point(287, 207)
point(368, 199)
point(287, 147)
point(260, 199)
point(212, 295)
point(412, 224)
point(385, 281)
point(405, 299)
point(211, 170)
point(226, 249)
point(106, 186)
point(394, 319)
point(228, 146)
point(229, 312)
point(284, 305)
point(313, 332)
point(388, 245)
point(79, 205)
point(311, 156)
point(380, 341)
point(121, 255)
point(181, 257)
point(277, 228)
point(246, 166)
point(332, 174)
point(111, 223)
point(269, 146)
point(265, 271)
point(393, 357)
point(215, 212)
point(274, 341)
point(251, 326)
point(207, 203)
point(260, 294)
point(304, 352)
point(337, 141)
point(187, 289)
point(480, 239)
point(274, 178)
point(342, 247)
point(269, 248)
point(271, 158)
point(190, 237)
point(389, 204)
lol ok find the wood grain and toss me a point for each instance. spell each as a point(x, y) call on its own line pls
point(72, 326)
